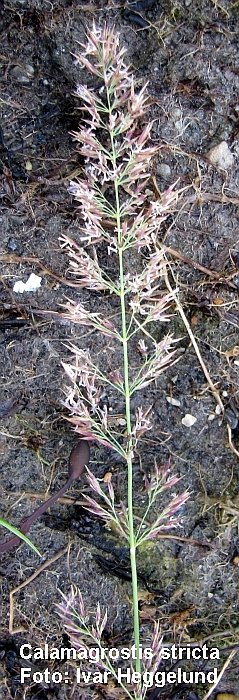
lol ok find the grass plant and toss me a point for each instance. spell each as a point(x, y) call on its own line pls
point(120, 217)
point(18, 533)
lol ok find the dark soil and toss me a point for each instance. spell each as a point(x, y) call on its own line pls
point(187, 51)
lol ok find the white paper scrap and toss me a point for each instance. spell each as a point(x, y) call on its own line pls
point(31, 285)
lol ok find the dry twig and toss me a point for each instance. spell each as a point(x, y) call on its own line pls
point(200, 359)
point(31, 578)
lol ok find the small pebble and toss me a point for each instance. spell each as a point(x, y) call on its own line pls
point(231, 418)
point(235, 258)
point(236, 281)
point(120, 422)
point(235, 561)
point(29, 69)
point(176, 114)
point(164, 171)
point(28, 166)
point(13, 246)
point(221, 156)
point(172, 401)
point(188, 420)
point(22, 74)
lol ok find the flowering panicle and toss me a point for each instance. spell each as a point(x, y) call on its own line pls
point(117, 210)
point(123, 154)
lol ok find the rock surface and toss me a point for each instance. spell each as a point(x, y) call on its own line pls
point(221, 156)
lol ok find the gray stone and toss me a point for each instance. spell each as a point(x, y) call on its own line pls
point(164, 171)
point(22, 74)
point(221, 156)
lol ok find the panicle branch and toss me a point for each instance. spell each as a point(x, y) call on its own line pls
point(162, 357)
point(78, 314)
point(89, 273)
point(111, 514)
point(155, 486)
